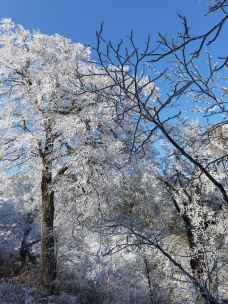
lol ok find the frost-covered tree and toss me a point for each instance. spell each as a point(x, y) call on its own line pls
point(48, 121)
point(194, 167)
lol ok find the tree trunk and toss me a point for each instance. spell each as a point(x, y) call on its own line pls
point(197, 261)
point(48, 257)
point(148, 279)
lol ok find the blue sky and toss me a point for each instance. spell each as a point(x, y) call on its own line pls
point(79, 19)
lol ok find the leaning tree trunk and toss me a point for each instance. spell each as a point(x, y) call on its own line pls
point(48, 257)
point(197, 261)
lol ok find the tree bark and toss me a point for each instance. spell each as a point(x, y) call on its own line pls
point(148, 279)
point(48, 259)
point(197, 261)
point(48, 256)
